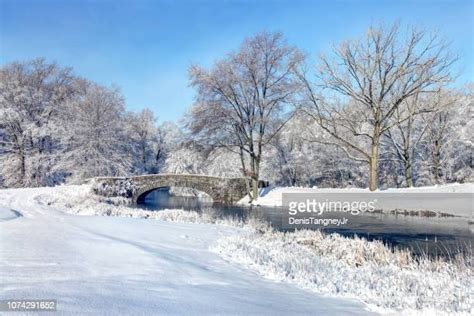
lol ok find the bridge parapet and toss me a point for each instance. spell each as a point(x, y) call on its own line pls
point(224, 190)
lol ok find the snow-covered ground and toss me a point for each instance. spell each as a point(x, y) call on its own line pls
point(388, 280)
point(7, 214)
point(174, 262)
point(118, 265)
point(459, 207)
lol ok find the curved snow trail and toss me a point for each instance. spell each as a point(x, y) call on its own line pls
point(112, 265)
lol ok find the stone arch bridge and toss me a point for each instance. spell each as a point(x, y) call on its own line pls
point(222, 190)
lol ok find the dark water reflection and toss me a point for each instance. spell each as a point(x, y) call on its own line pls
point(431, 235)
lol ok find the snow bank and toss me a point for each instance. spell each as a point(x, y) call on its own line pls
point(80, 200)
point(356, 268)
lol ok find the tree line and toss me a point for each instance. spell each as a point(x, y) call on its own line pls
point(376, 111)
point(381, 100)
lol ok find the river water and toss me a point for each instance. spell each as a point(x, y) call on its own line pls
point(445, 236)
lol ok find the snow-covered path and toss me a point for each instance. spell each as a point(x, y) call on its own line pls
point(124, 265)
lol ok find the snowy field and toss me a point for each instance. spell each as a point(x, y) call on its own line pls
point(115, 265)
point(181, 264)
point(449, 203)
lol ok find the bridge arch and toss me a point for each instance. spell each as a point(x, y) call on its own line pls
point(139, 196)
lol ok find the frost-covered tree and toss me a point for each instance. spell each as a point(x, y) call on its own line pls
point(402, 144)
point(241, 101)
point(447, 145)
point(223, 163)
point(94, 140)
point(169, 138)
point(56, 127)
point(463, 126)
point(144, 141)
point(292, 159)
point(367, 81)
point(295, 160)
point(185, 160)
point(31, 96)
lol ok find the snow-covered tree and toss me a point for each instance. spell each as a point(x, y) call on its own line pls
point(401, 144)
point(295, 160)
point(169, 138)
point(462, 133)
point(94, 140)
point(221, 162)
point(185, 160)
point(241, 100)
point(31, 96)
point(144, 141)
point(448, 143)
point(368, 81)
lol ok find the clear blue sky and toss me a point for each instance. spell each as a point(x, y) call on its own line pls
point(145, 46)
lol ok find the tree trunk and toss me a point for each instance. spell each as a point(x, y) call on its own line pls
point(244, 171)
point(407, 166)
point(255, 163)
point(144, 155)
point(22, 165)
point(437, 164)
point(408, 174)
point(254, 189)
point(373, 166)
